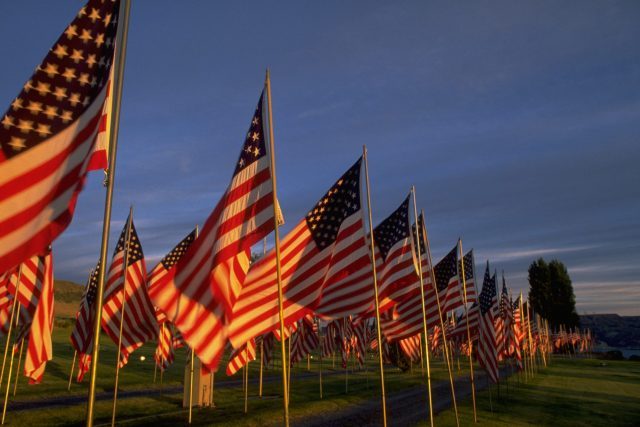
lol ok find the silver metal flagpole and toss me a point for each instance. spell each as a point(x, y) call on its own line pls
point(112, 133)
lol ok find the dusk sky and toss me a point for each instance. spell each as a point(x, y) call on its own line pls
point(518, 122)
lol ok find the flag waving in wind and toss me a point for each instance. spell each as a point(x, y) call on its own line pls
point(327, 250)
point(197, 293)
point(48, 135)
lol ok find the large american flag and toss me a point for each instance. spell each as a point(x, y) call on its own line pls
point(48, 136)
point(139, 315)
point(82, 333)
point(487, 345)
point(198, 292)
point(470, 280)
point(326, 251)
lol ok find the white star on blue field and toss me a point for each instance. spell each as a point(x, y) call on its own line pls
point(518, 123)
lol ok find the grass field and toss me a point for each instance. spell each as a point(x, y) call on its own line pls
point(570, 392)
point(137, 375)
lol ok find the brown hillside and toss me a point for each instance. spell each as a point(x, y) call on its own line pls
point(67, 298)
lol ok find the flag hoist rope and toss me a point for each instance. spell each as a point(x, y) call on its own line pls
point(112, 138)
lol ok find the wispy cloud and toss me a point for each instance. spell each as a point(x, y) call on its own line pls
point(518, 253)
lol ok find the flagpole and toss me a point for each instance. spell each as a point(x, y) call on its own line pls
point(246, 379)
point(6, 396)
point(161, 358)
point(13, 315)
point(264, 252)
point(523, 348)
point(424, 308)
point(285, 386)
point(322, 338)
point(346, 361)
point(73, 364)
point(15, 383)
point(464, 290)
point(122, 316)
point(191, 369)
point(112, 132)
point(444, 334)
point(375, 288)
point(261, 363)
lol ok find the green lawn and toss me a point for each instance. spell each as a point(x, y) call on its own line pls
point(167, 408)
point(570, 392)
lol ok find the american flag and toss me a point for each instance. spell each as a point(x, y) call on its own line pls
point(361, 338)
point(407, 317)
point(469, 276)
point(198, 292)
point(241, 356)
point(518, 334)
point(434, 338)
point(35, 298)
point(48, 136)
point(325, 252)
point(304, 341)
point(164, 354)
point(397, 273)
point(139, 315)
point(82, 333)
point(504, 320)
point(487, 346)
point(329, 342)
point(412, 347)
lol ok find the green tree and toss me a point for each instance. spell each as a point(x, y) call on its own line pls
point(551, 293)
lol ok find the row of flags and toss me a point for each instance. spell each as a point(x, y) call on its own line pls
point(206, 293)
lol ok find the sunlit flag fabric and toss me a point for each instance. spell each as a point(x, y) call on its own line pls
point(361, 338)
point(241, 356)
point(48, 135)
point(397, 273)
point(164, 354)
point(82, 333)
point(139, 324)
point(470, 280)
point(35, 305)
point(504, 320)
point(411, 347)
point(326, 248)
point(487, 346)
point(198, 292)
point(407, 319)
point(304, 341)
point(518, 334)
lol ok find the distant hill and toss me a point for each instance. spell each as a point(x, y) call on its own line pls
point(67, 298)
point(613, 330)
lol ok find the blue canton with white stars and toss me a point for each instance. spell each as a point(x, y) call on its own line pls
point(135, 249)
point(446, 269)
point(488, 292)
point(68, 80)
point(254, 144)
point(341, 201)
point(174, 256)
point(423, 246)
point(393, 229)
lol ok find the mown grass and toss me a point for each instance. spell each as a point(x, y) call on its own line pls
point(166, 409)
point(570, 392)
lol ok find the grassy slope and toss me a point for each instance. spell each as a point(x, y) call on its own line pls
point(568, 393)
point(67, 298)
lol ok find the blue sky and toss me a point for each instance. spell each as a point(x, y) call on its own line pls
point(518, 122)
